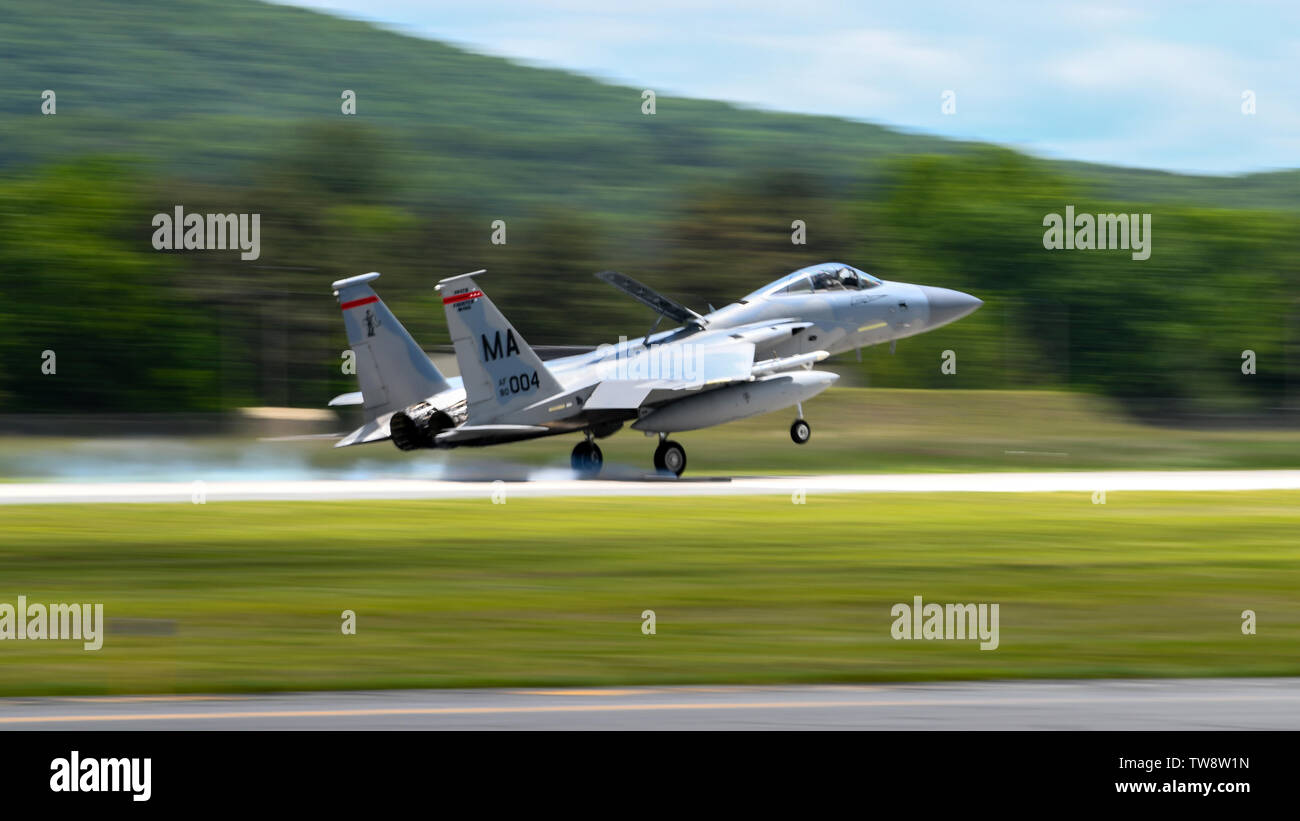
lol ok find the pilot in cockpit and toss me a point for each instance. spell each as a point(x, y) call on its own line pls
point(827, 281)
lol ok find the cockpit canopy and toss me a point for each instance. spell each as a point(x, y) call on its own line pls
point(826, 277)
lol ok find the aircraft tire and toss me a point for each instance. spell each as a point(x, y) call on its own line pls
point(586, 458)
point(800, 431)
point(671, 457)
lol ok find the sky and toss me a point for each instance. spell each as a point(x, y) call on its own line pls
point(1145, 84)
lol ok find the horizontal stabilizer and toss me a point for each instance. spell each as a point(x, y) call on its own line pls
point(301, 437)
point(376, 430)
point(353, 398)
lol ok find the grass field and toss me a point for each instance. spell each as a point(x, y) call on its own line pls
point(855, 430)
point(551, 591)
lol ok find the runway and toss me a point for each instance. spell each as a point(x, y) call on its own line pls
point(1156, 704)
point(200, 491)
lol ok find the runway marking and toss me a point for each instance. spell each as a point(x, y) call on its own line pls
point(587, 692)
point(123, 699)
point(607, 708)
point(359, 489)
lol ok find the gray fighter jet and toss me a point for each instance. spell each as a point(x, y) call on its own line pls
point(753, 356)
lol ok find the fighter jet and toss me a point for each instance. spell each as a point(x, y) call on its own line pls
point(753, 356)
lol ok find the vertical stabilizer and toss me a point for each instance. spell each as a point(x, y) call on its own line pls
point(394, 372)
point(501, 373)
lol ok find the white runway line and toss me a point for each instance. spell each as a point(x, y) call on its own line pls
point(1134, 704)
point(337, 490)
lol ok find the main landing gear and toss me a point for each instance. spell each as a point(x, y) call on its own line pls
point(800, 431)
point(586, 459)
point(670, 456)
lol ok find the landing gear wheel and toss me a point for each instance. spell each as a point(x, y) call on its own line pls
point(586, 458)
point(800, 431)
point(670, 456)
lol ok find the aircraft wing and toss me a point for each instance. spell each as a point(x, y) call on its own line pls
point(704, 362)
point(651, 298)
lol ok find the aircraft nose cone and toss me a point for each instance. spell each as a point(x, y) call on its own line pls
point(947, 305)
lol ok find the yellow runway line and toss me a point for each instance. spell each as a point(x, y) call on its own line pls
point(606, 708)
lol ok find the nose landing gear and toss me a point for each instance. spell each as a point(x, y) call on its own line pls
point(800, 431)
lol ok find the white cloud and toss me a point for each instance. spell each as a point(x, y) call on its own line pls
point(1154, 85)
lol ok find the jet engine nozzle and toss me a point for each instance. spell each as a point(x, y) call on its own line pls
point(417, 426)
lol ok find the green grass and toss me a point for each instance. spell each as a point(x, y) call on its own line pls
point(755, 589)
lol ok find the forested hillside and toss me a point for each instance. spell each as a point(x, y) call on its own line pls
point(235, 107)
